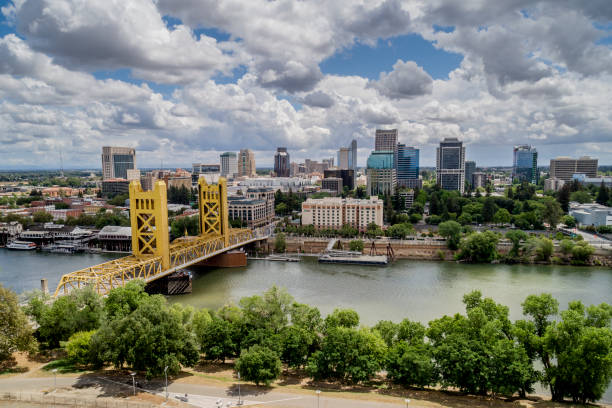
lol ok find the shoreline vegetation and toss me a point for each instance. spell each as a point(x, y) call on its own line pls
point(515, 247)
point(479, 352)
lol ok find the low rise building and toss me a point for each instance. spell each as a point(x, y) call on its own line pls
point(334, 212)
point(252, 212)
point(553, 184)
point(591, 214)
point(332, 185)
point(592, 181)
point(407, 196)
point(115, 186)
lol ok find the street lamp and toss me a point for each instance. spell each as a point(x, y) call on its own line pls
point(55, 377)
point(166, 374)
point(133, 382)
point(239, 401)
point(407, 401)
point(318, 397)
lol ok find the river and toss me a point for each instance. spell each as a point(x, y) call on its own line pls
point(417, 290)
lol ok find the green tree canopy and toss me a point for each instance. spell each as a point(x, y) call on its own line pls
point(479, 247)
point(451, 230)
point(259, 365)
point(16, 334)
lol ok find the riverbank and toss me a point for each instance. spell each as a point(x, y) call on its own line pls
point(426, 249)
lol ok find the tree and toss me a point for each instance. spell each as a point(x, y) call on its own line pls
point(603, 194)
point(569, 221)
point(78, 348)
point(148, 339)
point(399, 231)
point(563, 197)
point(280, 245)
point(479, 247)
point(451, 230)
point(349, 355)
point(516, 236)
point(580, 350)
point(435, 206)
point(387, 331)
point(270, 311)
point(16, 334)
point(296, 345)
point(356, 245)
point(81, 310)
point(182, 224)
point(489, 209)
point(342, 318)
point(502, 216)
point(552, 212)
point(123, 300)
point(581, 196)
point(373, 230)
point(259, 365)
point(217, 339)
point(42, 216)
point(409, 361)
point(478, 353)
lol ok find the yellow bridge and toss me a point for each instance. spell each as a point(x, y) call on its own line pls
point(153, 256)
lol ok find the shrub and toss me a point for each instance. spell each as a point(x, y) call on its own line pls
point(356, 245)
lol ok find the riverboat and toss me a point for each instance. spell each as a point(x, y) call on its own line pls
point(21, 245)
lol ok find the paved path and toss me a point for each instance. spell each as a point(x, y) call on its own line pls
point(206, 396)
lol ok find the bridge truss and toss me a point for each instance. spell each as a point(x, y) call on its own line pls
point(153, 257)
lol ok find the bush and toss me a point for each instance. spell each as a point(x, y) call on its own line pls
point(433, 220)
point(356, 245)
point(582, 251)
point(259, 365)
point(441, 255)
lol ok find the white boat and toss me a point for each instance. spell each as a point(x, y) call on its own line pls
point(21, 245)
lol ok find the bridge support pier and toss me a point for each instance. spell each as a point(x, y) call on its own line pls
point(231, 259)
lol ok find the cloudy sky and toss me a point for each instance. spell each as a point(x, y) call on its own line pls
point(182, 80)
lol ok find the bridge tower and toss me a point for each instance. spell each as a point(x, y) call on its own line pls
point(149, 219)
point(214, 219)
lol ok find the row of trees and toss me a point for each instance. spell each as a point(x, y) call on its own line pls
point(482, 247)
point(478, 352)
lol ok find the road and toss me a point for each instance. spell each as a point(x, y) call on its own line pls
point(202, 395)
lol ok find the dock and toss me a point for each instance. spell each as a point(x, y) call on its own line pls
point(368, 260)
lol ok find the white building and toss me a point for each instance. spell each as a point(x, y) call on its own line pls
point(591, 214)
point(334, 212)
point(229, 165)
point(280, 183)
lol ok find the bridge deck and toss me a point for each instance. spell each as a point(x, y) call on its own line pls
point(183, 253)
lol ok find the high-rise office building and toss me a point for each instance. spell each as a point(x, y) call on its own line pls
point(386, 140)
point(470, 169)
point(563, 168)
point(450, 165)
point(343, 158)
point(347, 157)
point(246, 163)
point(229, 165)
point(353, 156)
point(407, 166)
point(281, 162)
point(116, 161)
point(525, 164)
point(381, 173)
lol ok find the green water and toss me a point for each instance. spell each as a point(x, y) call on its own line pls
point(417, 290)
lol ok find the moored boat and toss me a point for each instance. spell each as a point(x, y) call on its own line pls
point(21, 245)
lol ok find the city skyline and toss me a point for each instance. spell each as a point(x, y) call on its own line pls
point(184, 86)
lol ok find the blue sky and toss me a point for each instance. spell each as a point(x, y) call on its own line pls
point(219, 75)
